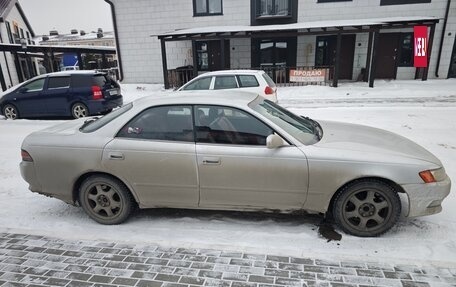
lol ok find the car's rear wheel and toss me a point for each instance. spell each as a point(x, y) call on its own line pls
point(10, 112)
point(79, 110)
point(105, 199)
point(367, 208)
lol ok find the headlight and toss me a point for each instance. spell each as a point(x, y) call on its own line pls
point(435, 175)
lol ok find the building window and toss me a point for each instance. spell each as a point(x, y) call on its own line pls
point(400, 2)
point(273, 12)
point(326, 1)
point(207, 7)
point(10, 35)
point(16, 37)
point(29, 40)
point(273, 8)
point(202, 56)
point(406, 50)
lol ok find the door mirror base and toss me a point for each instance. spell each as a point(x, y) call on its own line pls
point(274, 141)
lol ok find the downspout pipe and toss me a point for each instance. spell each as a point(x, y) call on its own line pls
point(442, 38)
point(116, 34)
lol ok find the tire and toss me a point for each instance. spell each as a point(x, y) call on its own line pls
point(10, 112)
point(79, 110)
point(105, 199)
point(366, 208)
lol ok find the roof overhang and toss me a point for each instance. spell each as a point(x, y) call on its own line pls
point(57, 48)
point(302, 28)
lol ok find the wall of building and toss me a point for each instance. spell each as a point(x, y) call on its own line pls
point(7, 59)
point(448, 42)
point(139, 22)
point(240, 54)
point(364, 9)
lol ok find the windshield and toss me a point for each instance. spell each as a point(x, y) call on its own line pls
point(306, 130)
point(94, 124)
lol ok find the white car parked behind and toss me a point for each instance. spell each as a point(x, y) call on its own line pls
point(255, 81)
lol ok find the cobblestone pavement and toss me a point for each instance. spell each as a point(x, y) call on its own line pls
point(29, 260)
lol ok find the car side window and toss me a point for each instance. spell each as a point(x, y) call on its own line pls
point(246, 81)
point(34, 86)
point(226, 125)
point(170, 123)
point(225, 82)
point(200, 84)
point(58, 82)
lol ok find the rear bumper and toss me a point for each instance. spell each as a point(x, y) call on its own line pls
point(426, 199)
point(29, 175)
point(99, 106)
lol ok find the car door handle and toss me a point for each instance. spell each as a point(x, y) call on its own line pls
point(116, 155)
point(211, 160)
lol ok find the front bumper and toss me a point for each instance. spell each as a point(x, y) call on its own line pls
point(426, 198)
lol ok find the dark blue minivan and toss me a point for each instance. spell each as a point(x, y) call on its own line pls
point(70, 93)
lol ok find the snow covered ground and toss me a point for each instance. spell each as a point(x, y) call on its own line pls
point(422, 111)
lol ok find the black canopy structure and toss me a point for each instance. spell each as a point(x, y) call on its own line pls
point(43, 51)
point(330, 27)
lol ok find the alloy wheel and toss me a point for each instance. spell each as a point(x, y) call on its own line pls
point(10, 112)
point(79, 111)
point(105, 199)
point(366, 208)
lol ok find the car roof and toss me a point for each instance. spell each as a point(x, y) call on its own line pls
point(229, 98)
point(231, 72)
point(71, 72)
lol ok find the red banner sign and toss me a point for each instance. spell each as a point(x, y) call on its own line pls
point(314, 75)
point(421, 46)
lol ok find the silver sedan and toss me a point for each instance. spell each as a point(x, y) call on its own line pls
point(233, 151)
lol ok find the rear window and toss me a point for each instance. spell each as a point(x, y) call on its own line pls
point(101, 80)
point(268, 80)
point(246, 81)
point(98, 123)
point(58, 82)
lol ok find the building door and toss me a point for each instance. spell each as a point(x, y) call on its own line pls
point(274, 56)
point(209, 55)
point(386, 55)
point(326, 54)
point(215, 55)
point(452, 71)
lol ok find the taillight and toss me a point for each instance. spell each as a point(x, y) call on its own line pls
point(97, 93)
point(26, 156)
point(268, 90)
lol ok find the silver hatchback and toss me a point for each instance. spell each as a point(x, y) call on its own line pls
point(233, 151)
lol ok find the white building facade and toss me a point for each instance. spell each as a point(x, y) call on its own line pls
point(137, 24)
point(15, 29)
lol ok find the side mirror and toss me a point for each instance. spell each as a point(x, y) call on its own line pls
point(274, 141)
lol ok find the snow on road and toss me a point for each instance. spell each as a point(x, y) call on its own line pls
point(430, 120)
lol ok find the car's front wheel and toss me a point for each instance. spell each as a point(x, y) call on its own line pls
point(367, 208)
point(105, 199)
point(79, 110)
point(10, 112)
